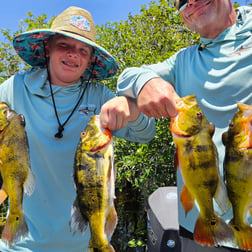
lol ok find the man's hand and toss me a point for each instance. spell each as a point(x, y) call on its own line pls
point(157, 99)
point(117, 112)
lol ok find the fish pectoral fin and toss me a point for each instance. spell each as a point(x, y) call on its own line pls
point(221, 198)
point(186, 199)
point(3, 195)
point(29, 184)
point(77, 221)
point(111, 222)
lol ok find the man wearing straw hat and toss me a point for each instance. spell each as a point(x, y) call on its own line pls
point(57, 96)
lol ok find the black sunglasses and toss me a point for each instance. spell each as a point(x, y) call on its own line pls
point(180, 4)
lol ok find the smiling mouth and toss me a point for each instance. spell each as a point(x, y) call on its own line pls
point(70, 64)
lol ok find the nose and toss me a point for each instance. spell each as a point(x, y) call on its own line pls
point(190, 2)
point(72, 51)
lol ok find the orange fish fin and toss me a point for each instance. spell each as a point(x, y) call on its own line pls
point(111, 222)
point(203, 233)
point(3, 195)
point(187, 199)
point(213, 232)
point(14, 230)
point(243, 236)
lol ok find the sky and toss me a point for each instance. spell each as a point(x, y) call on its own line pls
point(103, 11)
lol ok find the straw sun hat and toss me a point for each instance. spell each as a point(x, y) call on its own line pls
point(76, 23)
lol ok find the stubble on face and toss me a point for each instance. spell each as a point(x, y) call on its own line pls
point(209, 17)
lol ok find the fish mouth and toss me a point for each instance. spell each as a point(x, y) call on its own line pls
point(181, 135)
point(100, 147)
point(176, 131)
point(108, 134)
point(246, 146)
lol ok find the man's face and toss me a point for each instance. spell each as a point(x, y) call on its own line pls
point(69, 58)
point(207, 17)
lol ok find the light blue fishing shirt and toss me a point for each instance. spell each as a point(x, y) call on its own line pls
point(220, 76)
point(48, 209)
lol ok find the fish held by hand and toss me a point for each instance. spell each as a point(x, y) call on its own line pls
point(197, 159)
point(94, 177)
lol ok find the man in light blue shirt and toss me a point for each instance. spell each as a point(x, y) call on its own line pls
point(218, 71)
point(57, 98)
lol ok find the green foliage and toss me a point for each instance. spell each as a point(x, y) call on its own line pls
point(149, 37)
point(248, 2)
point(10, 63)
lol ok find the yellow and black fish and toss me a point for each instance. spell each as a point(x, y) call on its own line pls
point(238, 173)
point(197, 159)
point(94, 178)
point(15, 171)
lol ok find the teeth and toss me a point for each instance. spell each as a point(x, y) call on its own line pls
point(70, 64)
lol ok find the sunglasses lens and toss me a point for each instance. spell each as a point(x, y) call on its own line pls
point(180, 4)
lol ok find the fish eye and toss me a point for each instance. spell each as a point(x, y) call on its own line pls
point(199, 114)
point(83, 134)
point(231, 125)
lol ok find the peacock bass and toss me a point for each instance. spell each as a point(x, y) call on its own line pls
point(197, 159)
point(15, 171)
point(94, 178)
point(238, 173)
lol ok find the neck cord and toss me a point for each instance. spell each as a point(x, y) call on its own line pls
point(59, 134)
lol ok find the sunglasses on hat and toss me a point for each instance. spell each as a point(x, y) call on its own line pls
point(180, 4)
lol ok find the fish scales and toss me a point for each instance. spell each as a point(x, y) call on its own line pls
point(197, 160)
point(238, 173)
point(15, 171)
point(94, 177)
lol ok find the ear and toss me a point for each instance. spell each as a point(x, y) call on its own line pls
point(46, 48)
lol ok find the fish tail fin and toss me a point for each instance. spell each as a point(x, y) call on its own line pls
point(29, 184)
point(3, 196)
point(77, 222)
point(243, 236)
point(203, 233)
point(186, 199)
point(111, 222)
point(14, 230)
point(221, 198)
point(108, 248)
point(213, 232)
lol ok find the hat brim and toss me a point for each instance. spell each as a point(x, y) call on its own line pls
point(30, 47)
